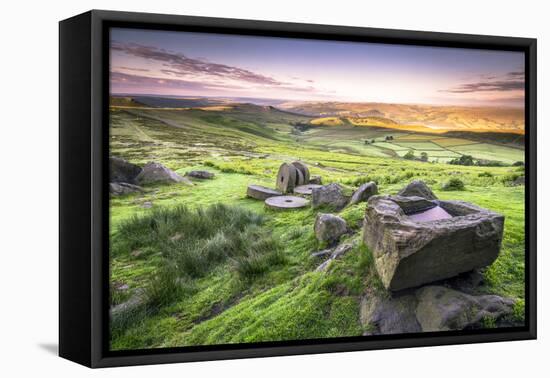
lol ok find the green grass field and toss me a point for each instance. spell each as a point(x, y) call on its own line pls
point(264, 286)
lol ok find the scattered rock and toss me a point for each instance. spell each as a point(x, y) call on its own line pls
point(329, 195)
point(261, 192)
point(363, 193)
point(203, 175)
point(444, 309)
point(432, 309)
point(387, 315)
point(147, 205)
point(408, 253)
point(121, 188)
point(122, 171)
point(323, 253)
point(315, 180)
point(286, 178)
point(157, 173)
point(286, 202)
point(329, 228)
point(306, 189)
point(419, 189)
point(137, 300)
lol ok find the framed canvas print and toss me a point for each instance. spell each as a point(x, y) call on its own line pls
point(234, 188)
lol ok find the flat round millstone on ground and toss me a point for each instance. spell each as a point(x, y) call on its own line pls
point(306, 189)
point(261, 192)
point(303, 168)
point(286, 178)
point(286, 202)
point(299, 178)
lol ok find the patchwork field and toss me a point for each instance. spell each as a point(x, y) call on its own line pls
point(272, 292)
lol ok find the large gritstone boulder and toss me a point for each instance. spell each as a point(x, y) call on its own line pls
point(331, 195)
point(329, 228)
point(363, 193)
point(419, 189)
point(157, 173)
point(122, 171)
point(411, 249)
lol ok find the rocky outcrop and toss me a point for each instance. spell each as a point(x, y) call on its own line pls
point(419, 189)
point(122, 188)
point(157, 173)
point(410, 253)
point(122, 171)
point(331, 195)
point(363, 193)
point(329, 228)
point(443, 309)
point(433, 309)
point(203, 175)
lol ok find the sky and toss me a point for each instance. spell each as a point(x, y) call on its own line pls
point(215, 65)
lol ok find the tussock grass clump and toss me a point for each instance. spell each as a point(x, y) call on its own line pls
point(453, 184)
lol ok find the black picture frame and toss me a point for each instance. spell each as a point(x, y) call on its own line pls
point(84, 196)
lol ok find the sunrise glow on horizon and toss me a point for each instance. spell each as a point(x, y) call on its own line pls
point(166, 63)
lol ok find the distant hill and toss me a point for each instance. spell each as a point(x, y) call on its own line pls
point(422, 118)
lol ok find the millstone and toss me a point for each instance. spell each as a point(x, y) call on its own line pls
point(261, 192)
point(286, 202)
point(306, 189)
point(304, 169)
point(286, 178)
point(299, 177)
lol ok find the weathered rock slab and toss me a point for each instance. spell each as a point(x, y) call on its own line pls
point(419, 189)
point(329, 228)
point(261, 192)
point(387, 315)
point(329, 195)
point(157, 173)
point(409, 254)
point(364, 192)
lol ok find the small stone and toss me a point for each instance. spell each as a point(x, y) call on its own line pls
point(203, 175)
point(364, 192)
point(315, 180)
point(147, 205)
point(329, 228)
point(419, 189)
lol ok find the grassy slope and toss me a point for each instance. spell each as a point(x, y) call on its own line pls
point(290, 301)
